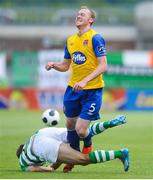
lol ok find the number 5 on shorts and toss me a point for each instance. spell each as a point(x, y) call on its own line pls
point(92, 107)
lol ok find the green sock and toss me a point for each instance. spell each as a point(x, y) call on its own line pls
point(99, 156)
point(97, 128)
point(118, 154)
point(106, 124)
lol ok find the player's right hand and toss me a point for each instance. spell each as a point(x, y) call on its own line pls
point(49, 65)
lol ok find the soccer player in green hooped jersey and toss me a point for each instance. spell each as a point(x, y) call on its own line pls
point(85, 51)
point(50, 145)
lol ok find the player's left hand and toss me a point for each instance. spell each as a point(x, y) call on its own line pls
point(79, 85)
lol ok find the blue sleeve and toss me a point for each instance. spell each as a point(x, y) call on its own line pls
point(98, 44)
point(66, 53)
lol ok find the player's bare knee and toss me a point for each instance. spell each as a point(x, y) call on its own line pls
point(81, 132)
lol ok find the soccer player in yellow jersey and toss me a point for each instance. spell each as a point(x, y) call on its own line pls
point(85, 51)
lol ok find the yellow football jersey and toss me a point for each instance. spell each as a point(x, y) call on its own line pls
point(83, 52)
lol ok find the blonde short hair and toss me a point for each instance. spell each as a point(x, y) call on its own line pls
point(92, 12)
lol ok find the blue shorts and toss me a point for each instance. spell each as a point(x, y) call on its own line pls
point(86, 103)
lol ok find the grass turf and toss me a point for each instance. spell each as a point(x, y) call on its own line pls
point(17, 126)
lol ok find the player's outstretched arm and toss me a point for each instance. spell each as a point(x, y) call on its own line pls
point(34, 168)
point(62, 66)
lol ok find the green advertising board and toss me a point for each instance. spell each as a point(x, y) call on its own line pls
point(121, 75)
point(24, 69)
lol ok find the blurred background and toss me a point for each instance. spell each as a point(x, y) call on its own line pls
point(33, 32)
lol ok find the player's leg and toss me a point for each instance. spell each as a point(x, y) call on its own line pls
point(71, 156)
point(103, 156)
point(100, 127)
point(72, 110)
point(72, 135)
point(91, 104)
point(73, 139)
point(68, 155)
point(85, 134)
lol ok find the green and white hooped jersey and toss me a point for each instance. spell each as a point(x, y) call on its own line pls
point(27, 156)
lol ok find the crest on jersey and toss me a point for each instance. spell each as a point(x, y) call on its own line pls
point(101, 49)
point(85, 42)
point(78, 57)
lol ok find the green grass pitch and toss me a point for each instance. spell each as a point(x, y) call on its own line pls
point(137, 135)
